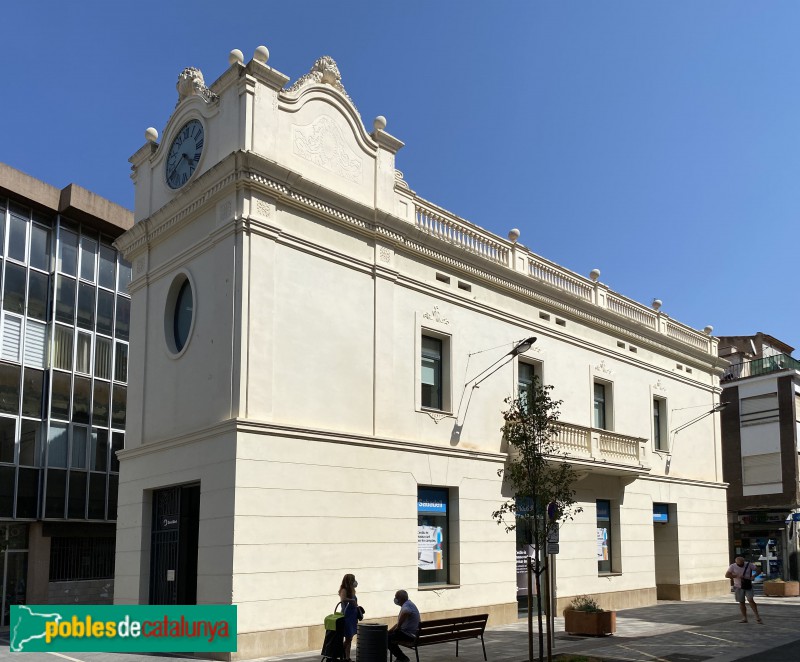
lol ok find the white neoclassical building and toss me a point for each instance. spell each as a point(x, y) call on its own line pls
point(306, 332)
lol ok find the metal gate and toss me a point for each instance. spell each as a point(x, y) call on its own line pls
point(164, 545)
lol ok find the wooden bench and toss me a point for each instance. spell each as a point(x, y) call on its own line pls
point(442, 630)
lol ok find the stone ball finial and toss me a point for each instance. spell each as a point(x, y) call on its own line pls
point(513, 235)
point(708, 330)
point(261, 55)
point(379, 123)
point(236, 57)
point(594, 274)
point(151, 135)
point(656, 304)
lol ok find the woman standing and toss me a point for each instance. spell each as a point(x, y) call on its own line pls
point(347, 596)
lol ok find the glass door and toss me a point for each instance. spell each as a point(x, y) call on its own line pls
point(13, 568)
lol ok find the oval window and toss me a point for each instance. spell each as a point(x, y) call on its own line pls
point(182, 318)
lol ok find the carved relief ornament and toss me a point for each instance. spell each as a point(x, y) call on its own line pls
point(322, 143)
point(436, 316)
point(191, 83)
point(602, 367)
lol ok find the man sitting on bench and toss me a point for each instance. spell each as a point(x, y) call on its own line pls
point(407, 625)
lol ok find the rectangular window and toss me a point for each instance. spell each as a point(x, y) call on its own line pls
point(107, 274)
point(38, 294)
point(431, 372)
point(81, 398)
point(32, 390)
point(76, 502)
point(88, 252)
point(62, 347)
point(527, 374)
point(102, 396)
point(433, 535)
point(83, 357)
point(59, 403)
point(8, 433)
point(102, 358)
point(98, 451)
point(660, 437)
point(12, 337)
point(57, 446)
point(79, 437)
point(86, 306)
point(121, 362)
point(35, 344)
point(603, 536)
point(67, 252)
point(55, 500)
point(30, 444)
point(17, 236)
point(602, 406)
point(65, 300)
point(105, 312)
point(123, 323)
point(40, 247)
point(14, 294)
point(9, 388)
point(118, 403)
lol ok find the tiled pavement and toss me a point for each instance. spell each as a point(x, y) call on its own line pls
point(666, 632)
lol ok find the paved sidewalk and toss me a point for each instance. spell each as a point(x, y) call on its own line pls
point(666, 632)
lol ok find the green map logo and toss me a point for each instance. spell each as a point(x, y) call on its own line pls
point(123, 628)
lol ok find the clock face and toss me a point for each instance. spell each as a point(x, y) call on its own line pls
point(184, 153)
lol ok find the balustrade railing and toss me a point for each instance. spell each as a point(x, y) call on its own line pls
point(632, 310)
point(573, 439)
point(463, 234)
point(618, 446)
point(559, 278)
point(761, 366)
point(443, 225)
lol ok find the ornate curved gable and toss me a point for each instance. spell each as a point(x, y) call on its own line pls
point(323, 127)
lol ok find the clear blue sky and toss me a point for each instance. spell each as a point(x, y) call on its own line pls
point(656, 141)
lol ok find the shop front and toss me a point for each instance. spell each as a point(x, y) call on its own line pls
point(769, 539)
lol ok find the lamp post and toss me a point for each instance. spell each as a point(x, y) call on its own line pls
point(520, 348)
point(674, 433)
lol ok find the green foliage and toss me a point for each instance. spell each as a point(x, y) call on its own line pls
point(584, 603)
point(536, 470)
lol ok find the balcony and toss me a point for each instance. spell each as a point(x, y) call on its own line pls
point(762, 366)
point(602, 451)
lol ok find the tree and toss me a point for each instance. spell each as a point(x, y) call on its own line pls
point(540, 481)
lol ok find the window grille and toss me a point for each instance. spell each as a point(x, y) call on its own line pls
point(74, 559)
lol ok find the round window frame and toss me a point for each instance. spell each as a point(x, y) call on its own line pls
point(183, 276)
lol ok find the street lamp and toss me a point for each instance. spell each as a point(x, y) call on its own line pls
point(520, 348)
point(674, 433)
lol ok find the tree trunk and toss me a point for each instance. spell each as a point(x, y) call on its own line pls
point(530, 610)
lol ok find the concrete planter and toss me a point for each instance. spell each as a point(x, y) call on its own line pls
point(592, 623)
point(781, 589)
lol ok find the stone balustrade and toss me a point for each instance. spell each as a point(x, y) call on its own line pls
point(448, 227)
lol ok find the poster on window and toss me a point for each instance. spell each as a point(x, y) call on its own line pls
point(522, 570)
point(430, 541)
point(602, 544)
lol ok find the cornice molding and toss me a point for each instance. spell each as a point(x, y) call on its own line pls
point(402, 234)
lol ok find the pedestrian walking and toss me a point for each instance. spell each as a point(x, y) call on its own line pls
point(742, 574)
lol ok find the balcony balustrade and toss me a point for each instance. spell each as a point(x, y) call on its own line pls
point(760, 366)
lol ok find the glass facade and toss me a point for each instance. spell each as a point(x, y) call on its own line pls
point(64, 324)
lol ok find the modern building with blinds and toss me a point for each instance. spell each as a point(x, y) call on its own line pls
point(319, 358)
point(761, 451)
point(64, 334)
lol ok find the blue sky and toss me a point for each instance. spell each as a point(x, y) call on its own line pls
point(656, 141)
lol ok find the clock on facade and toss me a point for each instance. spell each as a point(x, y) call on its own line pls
point(184, 153)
